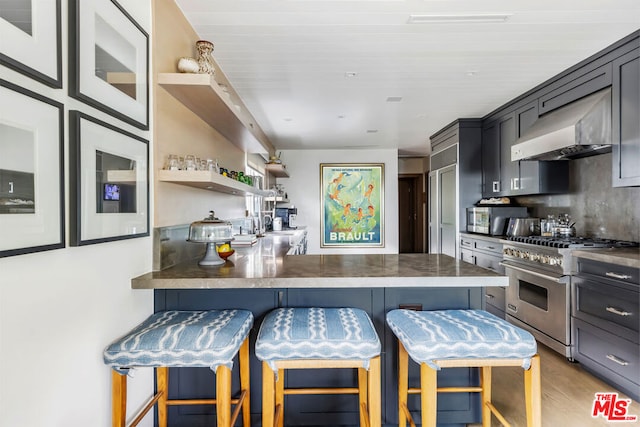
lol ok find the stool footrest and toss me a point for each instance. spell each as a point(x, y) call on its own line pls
point(152, 401)
point(177, 402)
point(497, 413)
point(322, 390)
point(469, 389)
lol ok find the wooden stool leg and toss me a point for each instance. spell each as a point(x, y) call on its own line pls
point(428, 395)
point(533, 393)
point(485, 396)
point(223, 396)
point(375, 396)
point(403, 384)
point(280, 396)
point(245, 382)
point(363, 379)
point(268, 395)
point(118, 399)
point(162, 384)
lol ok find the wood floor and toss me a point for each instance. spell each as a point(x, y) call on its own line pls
point(567, 394)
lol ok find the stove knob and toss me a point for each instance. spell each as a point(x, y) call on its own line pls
point(559, 262)
point(552, 261)
point(544, 259)
point(535, 257)
point(506, 251)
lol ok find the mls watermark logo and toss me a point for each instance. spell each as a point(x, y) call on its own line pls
point(611, 408)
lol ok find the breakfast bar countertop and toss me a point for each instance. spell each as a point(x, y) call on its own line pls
point(266, 265)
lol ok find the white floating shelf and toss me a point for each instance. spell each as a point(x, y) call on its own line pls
point(201, 94)
point(277, 169)
point(208, 180)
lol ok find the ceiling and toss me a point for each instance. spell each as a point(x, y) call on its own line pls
point(336, 74)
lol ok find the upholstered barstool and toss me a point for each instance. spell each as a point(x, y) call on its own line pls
point(171, 339)
point(318, 338)
point(462, 338)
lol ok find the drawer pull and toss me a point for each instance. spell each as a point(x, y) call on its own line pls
point(489, 247)
point(617, 275)
point(617, 360)
point(489, 296)
point(618, 312)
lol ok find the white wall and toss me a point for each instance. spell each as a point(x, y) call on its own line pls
point(59, 309)
point(303, 189)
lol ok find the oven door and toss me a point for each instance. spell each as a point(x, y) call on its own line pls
point(540, 301)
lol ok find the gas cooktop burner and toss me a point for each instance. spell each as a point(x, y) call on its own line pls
point(573, 242)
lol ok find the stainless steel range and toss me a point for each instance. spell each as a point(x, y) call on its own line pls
point(539, 292)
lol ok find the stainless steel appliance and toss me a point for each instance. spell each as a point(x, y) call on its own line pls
point(539, 294)
point(579, 129)
point(492, 220)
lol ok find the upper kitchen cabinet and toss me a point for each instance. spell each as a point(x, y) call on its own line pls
point(626, 119)
point(575, 85)
point(503, 177)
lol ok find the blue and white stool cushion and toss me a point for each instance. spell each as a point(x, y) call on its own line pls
point(182, 338)
point(459, 334)
point(317, 333)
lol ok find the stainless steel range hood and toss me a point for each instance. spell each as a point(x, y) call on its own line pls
point(580, 129)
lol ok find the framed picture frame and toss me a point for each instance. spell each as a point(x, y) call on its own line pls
point(30, 31)
point(109, 60)
point(352, 205)
point(32, 214)
point(109, 176)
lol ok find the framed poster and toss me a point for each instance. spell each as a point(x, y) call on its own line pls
point(31, 39)
point(109, 176)
point(352, 207)
point(32, 216)
point(109, 60)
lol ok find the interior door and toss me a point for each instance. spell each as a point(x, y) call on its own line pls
point(410, 214)
point(434, 228)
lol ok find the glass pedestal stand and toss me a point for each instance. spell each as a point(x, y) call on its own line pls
point(211, 256)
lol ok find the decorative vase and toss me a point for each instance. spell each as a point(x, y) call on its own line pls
point(188, 65)
point(205, 61)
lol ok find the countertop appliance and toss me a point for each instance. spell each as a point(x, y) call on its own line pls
point(285, 214)
point(523, 227)
point(492, 220)
point(538, 297)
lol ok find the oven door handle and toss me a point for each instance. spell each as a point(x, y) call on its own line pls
point(557, 279)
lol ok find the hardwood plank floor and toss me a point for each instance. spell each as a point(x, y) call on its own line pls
point(568, 392)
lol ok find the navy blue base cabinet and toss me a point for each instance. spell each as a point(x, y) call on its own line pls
point(329, 410)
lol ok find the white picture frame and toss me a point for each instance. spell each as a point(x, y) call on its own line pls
point(32, 219)
point(89, 139)
point(109, 60)
point(31, 40)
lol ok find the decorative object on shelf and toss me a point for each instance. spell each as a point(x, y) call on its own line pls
point(352, 205)
point(103, 210)
point(109, 68)
point(205, 61)
point(188, 65)
point(212, 230)
point(32, 213)
point(31, 41)
point(275, 160)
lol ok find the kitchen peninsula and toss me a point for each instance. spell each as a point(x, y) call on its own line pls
point(262, 277)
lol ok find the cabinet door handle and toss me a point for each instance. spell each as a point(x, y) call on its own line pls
point(617, 360)
point(618, 312)
point(617, 275)
point(10, 186)
point(516, 184)
point(496, 186)
point(489, 296)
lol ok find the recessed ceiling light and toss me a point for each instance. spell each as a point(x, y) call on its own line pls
point(288, 119)
point(349, 74)
point(372, 130)
point(394, 99)
point(448, 19)
point(472, 73)
point(341, 116)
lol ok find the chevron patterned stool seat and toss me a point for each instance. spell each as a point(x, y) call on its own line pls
point(319, 338)
point(462, 338)
point(167, 339)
